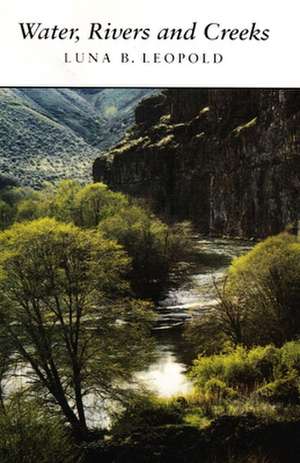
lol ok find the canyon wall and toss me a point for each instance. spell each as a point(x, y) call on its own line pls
point(228, 160)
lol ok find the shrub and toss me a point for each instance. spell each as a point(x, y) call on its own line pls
point(147, 412)
point(272, 373)
point(217, 391)
point(205, 334)
point(290, 356)
point(285, 390)
point(29, 434)
point(264, 360)
point(234, 369)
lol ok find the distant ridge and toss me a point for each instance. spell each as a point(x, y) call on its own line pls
point(50, 134)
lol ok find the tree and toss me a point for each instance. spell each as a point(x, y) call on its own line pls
point(264, 287)
point(158, 251)
point(66, 313)
point(6, 214)
point(85, 206)
point(259, 300)
point(155, 248)
point(56, 201)
point(9, 198)
point(94, 202)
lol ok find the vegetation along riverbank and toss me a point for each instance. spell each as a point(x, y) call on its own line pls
point(81, 271)
point(153, 315)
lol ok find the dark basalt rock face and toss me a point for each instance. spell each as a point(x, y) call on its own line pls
point(228, 160)
point(150, 110)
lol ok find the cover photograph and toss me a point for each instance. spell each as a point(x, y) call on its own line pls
point(149, 232)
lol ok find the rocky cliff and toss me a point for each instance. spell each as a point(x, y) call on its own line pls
point(228, 160)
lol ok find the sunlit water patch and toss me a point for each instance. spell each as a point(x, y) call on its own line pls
point(166, 377)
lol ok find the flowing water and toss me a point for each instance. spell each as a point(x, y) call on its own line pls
point(167, 375)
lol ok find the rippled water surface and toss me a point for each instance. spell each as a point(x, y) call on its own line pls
point(166, 375)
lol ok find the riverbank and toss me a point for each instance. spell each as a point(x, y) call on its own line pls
point(166, 376)
point(228, 439)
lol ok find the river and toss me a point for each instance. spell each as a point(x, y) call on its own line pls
point(167, 375)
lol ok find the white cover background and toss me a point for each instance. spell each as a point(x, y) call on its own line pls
point(273, 63)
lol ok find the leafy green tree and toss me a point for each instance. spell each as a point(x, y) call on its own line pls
point(264, 287)
point(95, 202)
point(158, 251)
point(53, 201)
point(28, 208)
point(68, 201)
point(6, 214)
point(259, 301)
point(9, 198)
point(155, 248)
point(59, 201)
point(65, 310)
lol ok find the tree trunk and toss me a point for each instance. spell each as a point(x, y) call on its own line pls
point(78, 399)
point(78, 425)
point(79, 429)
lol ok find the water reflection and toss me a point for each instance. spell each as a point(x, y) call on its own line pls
point(199, 293)
point(166, 377)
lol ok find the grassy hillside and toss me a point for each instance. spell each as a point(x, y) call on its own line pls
point(50, 134)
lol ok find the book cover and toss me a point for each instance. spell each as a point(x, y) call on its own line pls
point(149, 232)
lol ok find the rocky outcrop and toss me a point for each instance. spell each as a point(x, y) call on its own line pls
point(228, 160)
